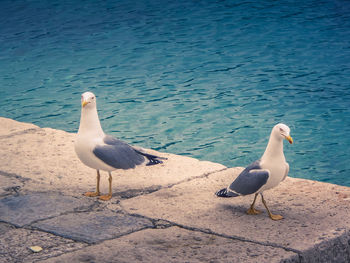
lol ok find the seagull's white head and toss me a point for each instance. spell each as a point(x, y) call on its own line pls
point(88, 100)
point(282, 131)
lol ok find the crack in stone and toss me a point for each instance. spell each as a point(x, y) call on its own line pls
point(77, 210)
point(205, 175)
point(120, 235)
point(234, 237)
point(130, 193)
point(157, 223)
point(210, 232)
point(82, 240)
point(61, 235)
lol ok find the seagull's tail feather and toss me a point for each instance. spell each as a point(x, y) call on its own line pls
point(153, 159)
point(224, 193)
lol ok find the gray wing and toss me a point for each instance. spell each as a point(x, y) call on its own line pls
point(250, 180)
point(118, 154)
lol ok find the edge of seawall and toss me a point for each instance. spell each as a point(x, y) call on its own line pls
point(164, 213)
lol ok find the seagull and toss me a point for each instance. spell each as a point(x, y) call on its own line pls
point(99, 151)
point(263, 174)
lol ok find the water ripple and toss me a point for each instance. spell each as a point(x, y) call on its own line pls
point(202, 79)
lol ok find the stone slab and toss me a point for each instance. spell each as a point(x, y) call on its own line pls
point(21, 210)
point(175, 244)
point(314, 212)
point(92, 227)
point(47, 157)
point(15, 243)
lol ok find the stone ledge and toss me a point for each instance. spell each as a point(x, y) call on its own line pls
point(165, 213)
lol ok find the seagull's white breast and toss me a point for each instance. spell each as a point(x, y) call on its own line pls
point(277, 169)
point(84, 146)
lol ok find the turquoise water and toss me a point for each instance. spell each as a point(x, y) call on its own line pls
point(206, 79)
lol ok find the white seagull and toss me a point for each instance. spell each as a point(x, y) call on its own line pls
point(103, 152)
point(263, 174)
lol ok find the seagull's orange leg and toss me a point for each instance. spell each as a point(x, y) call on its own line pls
point(272, 216)
point(97, 193)
point(252, 210)
point(109, 196)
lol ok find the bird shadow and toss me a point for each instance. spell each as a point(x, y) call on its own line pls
point(239, 210)
point(236, 210)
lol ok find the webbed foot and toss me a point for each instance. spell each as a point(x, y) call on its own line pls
point(253, 211)
point(92, 194)
point(105, 197)
point(276, 217)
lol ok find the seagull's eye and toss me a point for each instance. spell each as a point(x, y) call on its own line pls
point(93, 98)
point(281, 130)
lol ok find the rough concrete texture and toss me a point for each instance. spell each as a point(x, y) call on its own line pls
point(21, 210)
point(10, 127)
point(163, 213)
point(175, 244)
point(15, 243)
point(94, 226)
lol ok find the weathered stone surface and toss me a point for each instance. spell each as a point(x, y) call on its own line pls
point(92, 227)
point(47, 157)
point(313, 211)
point(12, 127)
point(163, 213)
point(15, 243)
point(22, 210)
point(175, 245)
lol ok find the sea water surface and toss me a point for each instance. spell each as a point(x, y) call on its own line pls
point(206, 79)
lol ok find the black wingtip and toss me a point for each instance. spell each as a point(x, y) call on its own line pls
point(153, 159)
point(222, 193)
point(153, 162)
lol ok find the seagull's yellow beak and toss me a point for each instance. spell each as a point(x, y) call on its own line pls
point(83, 103)
point(290, 139)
